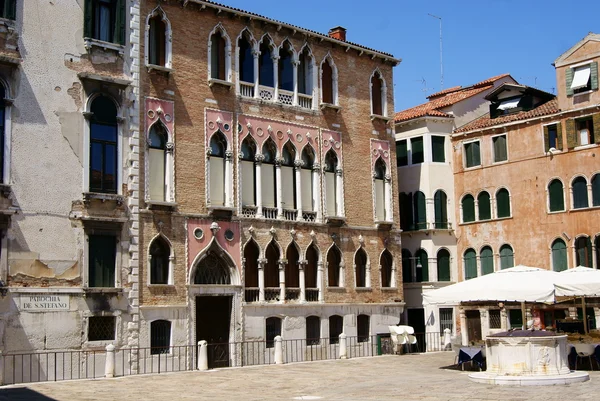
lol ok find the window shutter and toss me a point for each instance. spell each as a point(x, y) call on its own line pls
point(594, 75)
point(10, 9)
point(546, 139)
point(87, 19)
point(476, 155)
point(571, 134)
point(120, 21)
point(559, 137)
point(469, 154)
point(596, 127)
point(569, 79)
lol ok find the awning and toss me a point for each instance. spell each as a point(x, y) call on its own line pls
point(581, 77)
point(578, 282)
point(509, 104)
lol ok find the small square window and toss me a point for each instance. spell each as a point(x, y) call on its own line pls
point(416, 145)
point(438, 149)
point(472, 154)
point(500, 152)
point(495, 320)
point(402, 153)
point(101, 328)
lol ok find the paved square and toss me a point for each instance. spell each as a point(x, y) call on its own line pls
point(405, 377)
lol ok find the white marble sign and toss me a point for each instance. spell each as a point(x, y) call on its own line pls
point(44, 302)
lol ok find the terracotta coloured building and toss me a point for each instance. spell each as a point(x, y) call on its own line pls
point(267, 182)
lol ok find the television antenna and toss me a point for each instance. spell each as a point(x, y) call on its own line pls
point(441, 52)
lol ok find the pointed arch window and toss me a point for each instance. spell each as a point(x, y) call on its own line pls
point(470, 263)
point(440, 201)
point(160, 266)
point(288, 177)
point(307, 179)
point(487, 260)
point(285, 74)
point(265, 65)
point(420, 213)
point(360, 265)
point(336, 327)
point(483, 206)
point(502, 203)
point(104, 147)
point(219, 58)
point(583, 251)
point(468, 208)
point(330, 168)
point(329, 90)
point(386, 262)
point(247, 171)
point(157, 40)
point(251, 256)
point(556, 200)
point(596, 190)
point(212, 269)
point(292, 273)
point(378, 104)
point(422, 265)
point(305, 73)
point(407, 268)
point(507, 257)
point(310, 274)
point(157, 162)
point(217, 177)
point(246, 59)
point(559, 255)
point(380, 172)
point(334, 265)
point(268, 183)
point(580, 195)
point(272, 269)
point(443, 265)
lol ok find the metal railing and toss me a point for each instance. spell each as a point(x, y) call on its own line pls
point(290, 214)
point(272, 293)
point(312, 295)
point(269, 212)
point(246, 89)
point(305, 101)
point(252, 294)
point(292, 293)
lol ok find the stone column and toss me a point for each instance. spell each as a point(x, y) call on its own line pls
point(485, 323)
point(282, 263)
point(298, 164)
point(279, 194)
point(169, 169)
point(320, 285)
point(339, 195)
point(259, 158)
point(393, 278)
point(503, 319)
point(342, 280)
point(275, 78)
point(301, 271)
point(316, 187)
point(278, 350)
point(229, 178)
point(295, 64)
point(256, 55)
point(463, 327)
point(388, 197)
point(261, 279)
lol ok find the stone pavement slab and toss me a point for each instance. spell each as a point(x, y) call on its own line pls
point(404, 377)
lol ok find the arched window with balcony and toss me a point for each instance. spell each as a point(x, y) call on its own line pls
point(334, 267)
point(285, 74)
point(247, 172)
point(157, 162)
point(266, 75)
point(440, 202)
point(483, 206)
point(507, 257)
point(268, 182)
point(220, 55)
point(468, 208)
point(306, 69)
point(216, 167)
point(580, 194)
point(380, 188)
point(386, 264)
point(329, 89)
point(251, 256)
point(292, 273)
point(361, 269)
point(158, 45)
point(486, 257)
point(556, 199)
point(502, 203)
point(288, 180)
point(422, 265)
point(443, 265)
point(271, 272)
point(311, 269)
point(246, 64)
point(160, 261)
point(331, 184)
point(309, 179)
point(104, 146)
point(559, 255)
point(470, 264)
point(583, 251)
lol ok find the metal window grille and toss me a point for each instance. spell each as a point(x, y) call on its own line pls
point(160, 337)
point(101, 328)
point(446, 319)
point(495, 322)
point(273, 329)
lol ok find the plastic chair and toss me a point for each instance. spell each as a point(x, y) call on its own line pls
point(585, 351)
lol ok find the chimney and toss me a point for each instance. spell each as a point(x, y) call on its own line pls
point(339, 33)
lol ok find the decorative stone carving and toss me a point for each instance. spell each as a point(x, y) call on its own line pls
point(272, 231)
point(214, 227)
point(259, 158)
point(361, 240)
point(228, 155)
point(299, 163)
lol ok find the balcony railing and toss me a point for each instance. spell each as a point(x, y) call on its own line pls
point(290, 214)
point(305, 101)
point(265, 93)
point(272, 294)
point(292, 294)
point(252, 294)
point(312, 295)
point(249, 211)
point(269, 212)
point(285, 97)
point(309, 216)
point(247, 89)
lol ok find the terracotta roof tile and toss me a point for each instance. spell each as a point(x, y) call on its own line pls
point(485, 121)
point(445, 98)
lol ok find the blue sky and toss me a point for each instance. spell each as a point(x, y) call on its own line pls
point(481, 38)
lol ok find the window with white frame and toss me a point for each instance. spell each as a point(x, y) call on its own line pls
point(580, 193)
point(217, 176)
point(331, 184)
point(160, 261)
point(246, 65)
point(438, 149)
point(104, 145)
point(220, 50)
point(266, 72)
point(329, 89)
point(378, 100)
point(268, 183)
point(157, 162)
point(288, 178)
point(306, 72)
point(307, 190)
point(247, 172)
point(158, 39)
point(334, 266)
point(581, 78)
point(380, 189)
point(361, 269)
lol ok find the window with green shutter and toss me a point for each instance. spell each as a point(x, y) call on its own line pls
point(438, 150)
point(102, 258)
point(468, 208)
point(500, 152)
point(416, 150)
point(487, 260)
point(596, 190)
point(105, 20)
point(440, 203)
point(483, 206)
point(580, 195)
point(443, 265)
point(420, 211)
point(555, 193)
point(422, 265)
point(407, 276)
point(470, 262)
point(402, 153)
point(507, 257)
point(472, 155)
point(559, 255)
point(8, 8)
point(502, 203)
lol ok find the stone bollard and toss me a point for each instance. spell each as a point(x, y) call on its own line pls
point(278, 350)
point(109, 366)
point(343, 352)
point(447, 339)
point(202, 355)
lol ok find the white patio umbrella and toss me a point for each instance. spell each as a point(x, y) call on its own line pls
point(516, 284)
point(581, 282)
